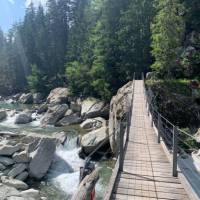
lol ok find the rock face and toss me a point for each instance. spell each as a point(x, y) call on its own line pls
point(58, 96)
point(70, 120)
point(23, 118)
point(3, 115)
point(91, 108)
point(21, 157)
point(42, 158)
point(54, 114)
point(92, 139)
point(93, 124)
point(118, 109)
point(26, 98)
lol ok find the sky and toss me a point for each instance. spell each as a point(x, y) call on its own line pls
point(12, 11)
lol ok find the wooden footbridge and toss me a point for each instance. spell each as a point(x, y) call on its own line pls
point(143, 170)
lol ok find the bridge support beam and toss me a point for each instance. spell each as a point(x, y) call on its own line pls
point(175, 151)
point(121, 147)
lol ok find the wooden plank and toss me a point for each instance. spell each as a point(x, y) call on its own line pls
point(147, 173)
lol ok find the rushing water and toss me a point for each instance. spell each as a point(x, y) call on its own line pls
point(63, 177)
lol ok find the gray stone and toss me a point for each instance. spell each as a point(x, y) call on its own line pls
point(54, 114)
point(3, 115)
point(42, 158)
point(23, 176)
point(94, 123)
point(20, 185)
point(22, 157)
point(91, 140)
point(70, 120)
point(26, 98)
point(75, 107)
point(30, 193)
point(8, 150)
point(2, 167)
point(58, 96)
point(118, 108)
point(23, 118)
point(17, 169)
point(6, 191)
point(61, 137)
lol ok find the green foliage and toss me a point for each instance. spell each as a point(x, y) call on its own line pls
point(167, 35)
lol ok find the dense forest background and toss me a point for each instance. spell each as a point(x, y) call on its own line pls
point(94, 46)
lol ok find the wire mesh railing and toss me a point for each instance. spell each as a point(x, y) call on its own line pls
point(176, 140)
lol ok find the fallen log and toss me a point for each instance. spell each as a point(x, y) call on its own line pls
point(87, 186)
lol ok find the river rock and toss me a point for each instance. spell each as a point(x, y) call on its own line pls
point(23, 176)
point(58, 96)
point(42, 158)
point(6, 191)
point(54, 114)
point(17, 169)
point(94, 123)
point(6, 161)
point(91, 108)
point(92, 139)
point(61, 137)
point(22, 157)
point(30, 193)
point(26, 98)
point(8, 150)
point(20, 185)
point(23, 118)
point(2, 167)
point(3, 115)
point(118, 109)
point(42, 109)
point(70, 120)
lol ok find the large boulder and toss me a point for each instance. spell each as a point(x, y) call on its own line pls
point(58, 96)
point(26, 98)
point(14, 183)
point(70, 120)
point(16, 170)
point(23, 118)
point(3, 115)
point(91, 140)
point(118, 109)
point(6, 161)
point(6, 191)
point(31, 193)
point(93, 124)
point(42, 158)
point(8, 150)
point(91, 108)
point(54, 114)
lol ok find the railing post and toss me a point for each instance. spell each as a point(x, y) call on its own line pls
point(175, 151)
point(159, 127)
point(121, 147)
point(128, 120)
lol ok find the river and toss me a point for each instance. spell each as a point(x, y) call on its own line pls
point(63, 177)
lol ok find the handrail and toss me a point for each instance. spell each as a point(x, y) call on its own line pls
point(170, 133)
point(123, 140)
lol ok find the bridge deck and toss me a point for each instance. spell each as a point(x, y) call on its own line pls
point(147, 173)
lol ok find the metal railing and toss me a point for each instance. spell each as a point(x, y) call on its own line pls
point(123, 132)
point(176, 140)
